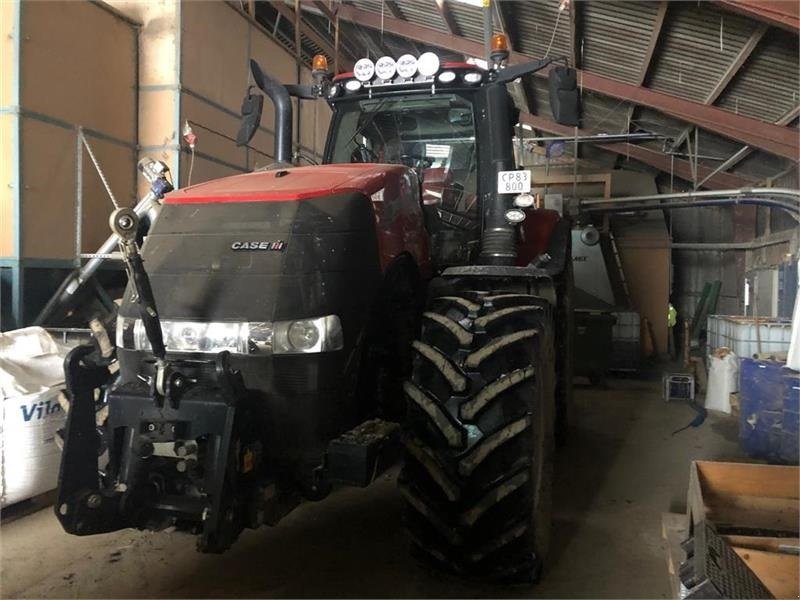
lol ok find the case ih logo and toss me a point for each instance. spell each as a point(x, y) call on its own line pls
point(278, 246)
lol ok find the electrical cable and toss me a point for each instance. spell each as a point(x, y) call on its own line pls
point(191, 167)
point(227, 137)
point(555, 28)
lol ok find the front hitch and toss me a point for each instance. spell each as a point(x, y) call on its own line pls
point(180, 444)
point(82, 507)
point(185, 459)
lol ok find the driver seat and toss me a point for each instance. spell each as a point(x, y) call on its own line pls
point(437, 186)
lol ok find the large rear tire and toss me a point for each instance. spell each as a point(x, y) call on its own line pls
point(479, 435)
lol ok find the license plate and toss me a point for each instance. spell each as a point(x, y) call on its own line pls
point(514, 182)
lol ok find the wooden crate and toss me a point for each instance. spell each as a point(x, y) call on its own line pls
point(757, 509)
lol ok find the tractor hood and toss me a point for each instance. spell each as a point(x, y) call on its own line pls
point(295, 183)
point(278, 245)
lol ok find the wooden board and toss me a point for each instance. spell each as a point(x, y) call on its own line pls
point(743, 479)
point(214, 52)
point(205, 170)
point(222, 125)
point(768, 544)
point(214, 66)
point(48, 194)
point(8, 192)
point(780, 573)
point(79, 66)
point(8, 57)
point(764, 497)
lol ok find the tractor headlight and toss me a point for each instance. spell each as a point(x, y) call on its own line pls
point(304, 336)
point(472, 77)
point(515, 216)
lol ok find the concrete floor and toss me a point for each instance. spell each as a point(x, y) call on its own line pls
point(619, 471)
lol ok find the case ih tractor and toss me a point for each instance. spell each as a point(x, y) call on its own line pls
point(296, 328)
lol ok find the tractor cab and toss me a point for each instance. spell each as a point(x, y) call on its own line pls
point(425, 115)
point(428, 127)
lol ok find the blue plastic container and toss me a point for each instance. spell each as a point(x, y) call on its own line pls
point(769, 416)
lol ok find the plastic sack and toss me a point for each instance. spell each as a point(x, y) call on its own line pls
point(31, 382)
point(723, 380)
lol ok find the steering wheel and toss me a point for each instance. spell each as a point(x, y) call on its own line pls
point(363, 154)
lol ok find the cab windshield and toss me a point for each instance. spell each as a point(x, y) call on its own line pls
point(433, 134)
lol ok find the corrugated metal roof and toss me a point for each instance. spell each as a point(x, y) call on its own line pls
point(419, 12)
point(767, 85)
point(616, 36)
point(656, 122)
point(697, 46)
point(536, 24)
point(375, 6)
point(469, 20)
point(760, 165)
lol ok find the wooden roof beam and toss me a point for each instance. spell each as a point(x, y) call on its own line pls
point(730, 73)
point(504, 12)
point(447, 17)
point(654, 158)
point(746, 151)
point(394, 9)
point(325, 9)
point(287, 12)
point(575, 26)
point(770, 138)
point(647, 60)
point(780, 13)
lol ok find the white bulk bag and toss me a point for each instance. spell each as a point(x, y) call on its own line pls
point(31, 381)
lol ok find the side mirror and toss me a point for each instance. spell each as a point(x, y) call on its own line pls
point(252, 105)
point(564, 96)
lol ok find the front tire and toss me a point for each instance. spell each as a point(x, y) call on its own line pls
point(479, 435)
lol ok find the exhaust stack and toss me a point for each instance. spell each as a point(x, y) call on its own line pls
point(251, 114)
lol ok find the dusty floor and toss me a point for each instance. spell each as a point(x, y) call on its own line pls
point(620, 470)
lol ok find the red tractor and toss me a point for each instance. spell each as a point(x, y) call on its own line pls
point(296, 328)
